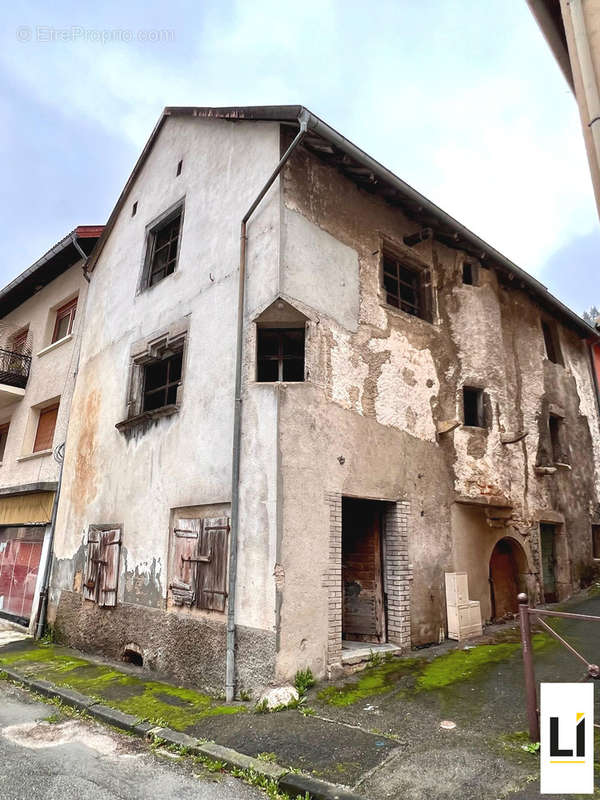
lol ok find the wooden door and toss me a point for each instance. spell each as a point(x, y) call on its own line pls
point(504, 580)
point(363, 613)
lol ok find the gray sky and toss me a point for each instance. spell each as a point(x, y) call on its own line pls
point(461, 98)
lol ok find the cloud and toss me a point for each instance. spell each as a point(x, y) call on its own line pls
point(463, 101)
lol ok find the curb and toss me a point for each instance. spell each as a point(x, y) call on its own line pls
point(291, 782)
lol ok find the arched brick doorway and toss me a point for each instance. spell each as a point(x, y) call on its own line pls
point(508, 570)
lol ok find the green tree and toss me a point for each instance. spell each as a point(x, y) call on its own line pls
point(591, 315)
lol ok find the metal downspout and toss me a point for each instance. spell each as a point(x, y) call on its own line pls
point(303, 119)
point(59, 455)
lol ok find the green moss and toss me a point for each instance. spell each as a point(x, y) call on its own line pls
point(460, 665)
point(373, 681)
point(157, 702)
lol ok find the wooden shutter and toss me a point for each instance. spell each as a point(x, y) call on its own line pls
point(211, 582)
point(45, 429)
point(90, 583)
point(186, 536)
point(110, 548)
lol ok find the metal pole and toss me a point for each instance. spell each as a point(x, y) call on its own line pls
point(237, 415)
point(530, 687)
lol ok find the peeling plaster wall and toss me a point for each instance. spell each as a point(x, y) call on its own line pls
point(185, 459)
point(381, 381)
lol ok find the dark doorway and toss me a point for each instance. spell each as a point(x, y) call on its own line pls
point(508, 565)
point(363, 599)
point(548, 540)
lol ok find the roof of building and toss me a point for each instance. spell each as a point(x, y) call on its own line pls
point(57, 260)
point(330, 146)
point(548, 15)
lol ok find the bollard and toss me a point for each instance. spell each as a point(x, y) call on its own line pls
point(530, 687)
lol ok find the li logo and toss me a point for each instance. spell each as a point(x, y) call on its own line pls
point(567, 738)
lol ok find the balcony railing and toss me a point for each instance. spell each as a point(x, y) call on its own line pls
point(14, 368)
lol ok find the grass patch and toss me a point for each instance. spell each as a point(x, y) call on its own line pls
point(159, 703)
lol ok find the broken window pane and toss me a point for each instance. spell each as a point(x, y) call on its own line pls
point(161, 380)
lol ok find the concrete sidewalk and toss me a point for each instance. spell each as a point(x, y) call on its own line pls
point(379, 732)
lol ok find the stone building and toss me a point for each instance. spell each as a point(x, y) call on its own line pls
point(40, 322)
point(412, 403)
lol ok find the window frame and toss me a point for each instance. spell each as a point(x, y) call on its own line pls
point(178, 353)
point(68, 310)
point(280, 358)
point(4, 428)
point(423, 289)
point(152, 231)
point(42, 411)
point(595, 530)
point(552, 346)
point(482, 421)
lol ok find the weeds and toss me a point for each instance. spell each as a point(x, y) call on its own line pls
point(304, 680)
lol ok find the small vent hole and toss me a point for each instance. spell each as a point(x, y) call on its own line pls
point(179, 167)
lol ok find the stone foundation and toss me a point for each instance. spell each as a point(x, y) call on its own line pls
point(189, 650)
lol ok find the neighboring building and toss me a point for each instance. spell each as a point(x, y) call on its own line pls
point(572, 30)
point(40, 316)
point(413, 404)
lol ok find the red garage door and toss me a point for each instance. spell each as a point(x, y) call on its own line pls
point(20, 552)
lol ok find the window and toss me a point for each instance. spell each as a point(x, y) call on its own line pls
point(405, 287)
point(199, 563)
point(596, 540)
point(161, 381)
point(102, 565)
point(65, 317)
point(163, 248)
point(3, 438)
point(470, 273)
point(551, 342)
point(134, 209)
point(44, 435)
point(473, 408)
point(555, 424)
point(17, 343)
point(280, 354)
point(179, 167)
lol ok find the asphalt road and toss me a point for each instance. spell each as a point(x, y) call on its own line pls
point(71, 759)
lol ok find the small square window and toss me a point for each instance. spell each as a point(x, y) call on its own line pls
point(162, 379)
point(406, 287)
point(3, 438)
point(163, 248)
point(65, 318)
point(473, 407)
point(551, 342)
point(280, 354)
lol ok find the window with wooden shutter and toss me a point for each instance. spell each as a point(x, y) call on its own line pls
point(101, 578)
point(212, 573)
point(44, 435)
point(199, 566)
point(185, 547)
point(90, 583)
point(110, 548)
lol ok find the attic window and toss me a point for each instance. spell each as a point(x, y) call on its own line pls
point(406, 287)
point(163, 247)
point(473, 408)
point(280, 354)
point(551, 342)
